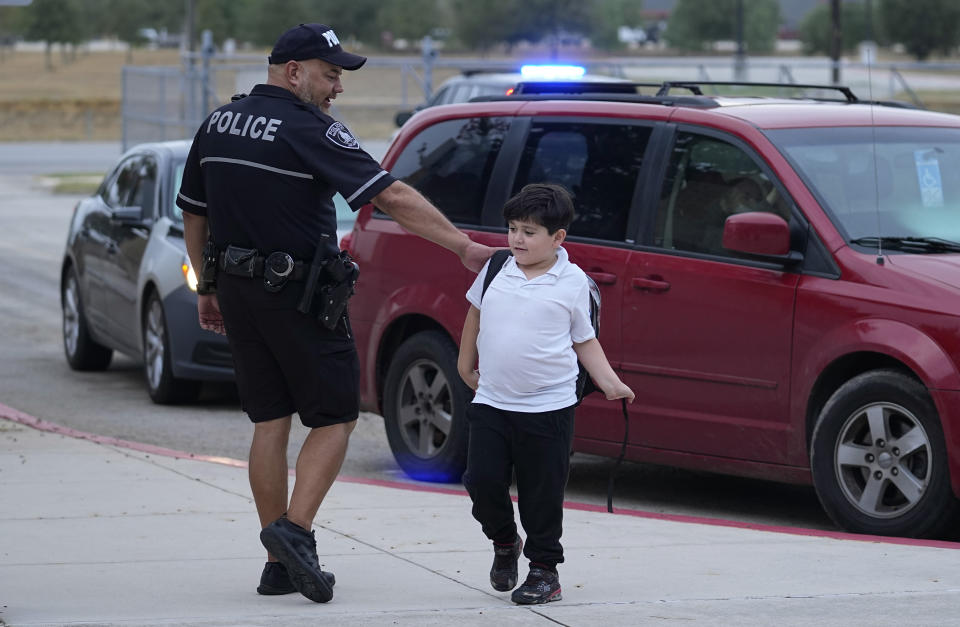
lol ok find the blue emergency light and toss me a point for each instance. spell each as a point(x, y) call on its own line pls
point(552, 72)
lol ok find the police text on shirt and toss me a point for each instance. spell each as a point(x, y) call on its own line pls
point(243, 125)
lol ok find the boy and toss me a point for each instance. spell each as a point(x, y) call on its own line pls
point(534, 325)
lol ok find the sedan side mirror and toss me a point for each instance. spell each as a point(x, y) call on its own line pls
point(401, 118)
point(132, 216)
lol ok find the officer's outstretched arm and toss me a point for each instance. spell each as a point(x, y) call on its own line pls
point(415, 214)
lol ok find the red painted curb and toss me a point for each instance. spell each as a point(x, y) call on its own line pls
point(42, 425)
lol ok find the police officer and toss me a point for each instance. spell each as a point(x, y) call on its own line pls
point(258, 183)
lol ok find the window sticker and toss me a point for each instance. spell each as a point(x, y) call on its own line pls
point(928, 177)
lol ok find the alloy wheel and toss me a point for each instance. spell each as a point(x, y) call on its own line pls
point(424, 408)
point(883, 460)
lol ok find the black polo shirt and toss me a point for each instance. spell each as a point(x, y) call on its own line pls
point(263, 170)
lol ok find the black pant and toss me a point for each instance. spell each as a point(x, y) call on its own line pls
point(537, 447)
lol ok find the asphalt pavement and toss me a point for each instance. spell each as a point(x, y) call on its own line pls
point(95, 530)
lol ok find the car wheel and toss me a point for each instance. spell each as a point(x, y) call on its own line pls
point(82, 352)
point(163, 387)
point(423, 407)
point(879, 460)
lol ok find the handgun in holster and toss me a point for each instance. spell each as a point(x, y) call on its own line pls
point(207, 280)
point(331, 282)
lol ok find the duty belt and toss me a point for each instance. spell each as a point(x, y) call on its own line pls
point(278, 267)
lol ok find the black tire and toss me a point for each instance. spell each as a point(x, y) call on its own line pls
point(80, 349)
point(163, 387)
point(424, 407)
point(879, 460)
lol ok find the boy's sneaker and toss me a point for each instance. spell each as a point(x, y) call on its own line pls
point(503, 573)
point(275, 580)
point(541, 586)
point(296, 549)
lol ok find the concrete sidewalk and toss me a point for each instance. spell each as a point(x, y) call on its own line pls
point(93, 532)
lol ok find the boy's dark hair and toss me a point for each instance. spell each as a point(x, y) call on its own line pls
point(544, 203)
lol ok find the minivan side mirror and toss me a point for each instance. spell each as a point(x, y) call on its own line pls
point(757, 233)
point(401, 118)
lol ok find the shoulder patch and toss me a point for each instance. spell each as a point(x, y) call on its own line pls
point(339, 135)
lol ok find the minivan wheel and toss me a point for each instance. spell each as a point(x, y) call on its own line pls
point(163, 387)
point(424, 403)
point(879, 460)
point(82, 352)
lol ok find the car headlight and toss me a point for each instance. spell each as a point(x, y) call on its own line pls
point(188, 274)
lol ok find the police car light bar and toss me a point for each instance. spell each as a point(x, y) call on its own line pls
point(552, 72)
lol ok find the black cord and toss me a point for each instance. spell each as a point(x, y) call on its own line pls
point(623, 452)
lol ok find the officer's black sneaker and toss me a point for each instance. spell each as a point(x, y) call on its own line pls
point(296, 549)
point(541, 586)
point(503, 573)
point(275, 579)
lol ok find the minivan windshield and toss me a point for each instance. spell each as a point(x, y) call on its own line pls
point(896, 186)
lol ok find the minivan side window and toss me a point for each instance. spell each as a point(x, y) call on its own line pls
point(707, 181)
point(450, 163)
point(597, 163)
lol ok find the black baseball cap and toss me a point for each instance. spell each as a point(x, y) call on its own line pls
point(313, 41)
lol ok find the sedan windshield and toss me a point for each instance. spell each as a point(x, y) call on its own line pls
point(896, 186)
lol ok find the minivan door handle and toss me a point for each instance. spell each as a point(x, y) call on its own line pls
point(649, 285)
point(603, 278)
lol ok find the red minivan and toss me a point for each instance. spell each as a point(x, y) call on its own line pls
point(780, 281)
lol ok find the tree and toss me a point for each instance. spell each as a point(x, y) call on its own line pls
point(606, 18)
point(220, 17)
point(12, 25)
point(53, 21)
point(262, 22)
point(536, 20)
point(479, 25)
point(815, 28)
point(412, 19)
point(922, 26)
point(694, 24)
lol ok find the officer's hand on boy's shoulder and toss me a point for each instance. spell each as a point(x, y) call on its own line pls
point(475, 255)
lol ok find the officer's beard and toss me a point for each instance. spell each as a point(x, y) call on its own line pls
point(304, 92)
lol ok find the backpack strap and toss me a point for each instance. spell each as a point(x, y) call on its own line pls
point(496, 263)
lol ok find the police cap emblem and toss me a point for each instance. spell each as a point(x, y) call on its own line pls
point(339, 135)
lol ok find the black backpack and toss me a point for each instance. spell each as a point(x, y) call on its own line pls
point(585, 384)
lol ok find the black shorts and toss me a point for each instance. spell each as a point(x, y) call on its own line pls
point(286, 361)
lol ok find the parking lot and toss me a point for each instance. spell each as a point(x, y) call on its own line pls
point(34, 377)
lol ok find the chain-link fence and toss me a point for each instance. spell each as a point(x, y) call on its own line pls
point(161, 103)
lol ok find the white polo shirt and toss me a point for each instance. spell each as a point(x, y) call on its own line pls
point(527, 330)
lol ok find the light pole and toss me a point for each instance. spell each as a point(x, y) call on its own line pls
point(740, 60)
point(836, 40)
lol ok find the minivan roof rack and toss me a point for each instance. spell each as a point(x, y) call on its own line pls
point(696, 87)
point(666, 92)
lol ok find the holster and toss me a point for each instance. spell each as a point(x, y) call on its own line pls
point(329, 287)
